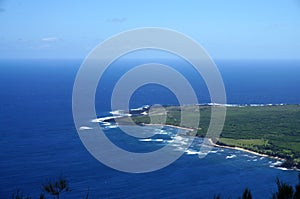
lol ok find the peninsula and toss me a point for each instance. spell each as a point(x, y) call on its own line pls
point(269, 130)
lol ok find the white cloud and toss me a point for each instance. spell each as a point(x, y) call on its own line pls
point(50, 39)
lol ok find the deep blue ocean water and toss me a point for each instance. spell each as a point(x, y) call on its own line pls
point(39, 139)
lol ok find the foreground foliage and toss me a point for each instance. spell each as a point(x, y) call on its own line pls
point(56, 187)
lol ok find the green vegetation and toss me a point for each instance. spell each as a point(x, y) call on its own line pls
point(270, 130)
point(284, 190)
point(55, 187)
point(247, 194)
point(245, 143)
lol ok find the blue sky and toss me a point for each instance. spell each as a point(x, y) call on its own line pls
point(231, 29)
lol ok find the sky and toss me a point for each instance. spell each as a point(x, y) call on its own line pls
point(231, 29)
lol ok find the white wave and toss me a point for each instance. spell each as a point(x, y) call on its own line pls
point(250, 156)
point(177, 143)
point(151, 140)
point(112, 127)
point(233, 105)
point(254, 105)
point(273, 164)
point(145, 140)
point(230, 156)
point(277, 164)
point(238, 105)
point(119, 113)
point(180, 148)
point(180, 142)
point(158, 140)
point(85, 128)
point(216, 104)
point(105, 123)
point(254, 160)
point(140, 108)
point(144, 113)
point(180, 138)
point(202, 153)
point(191, 152)
point(282, 168)
point(161, 132)
point(265, 104)
point(102, 119)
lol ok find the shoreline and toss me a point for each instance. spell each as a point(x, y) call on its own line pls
point(221, 146)
point(288, 159)
point(254, 153)
point(228, 147)
point(244, 150)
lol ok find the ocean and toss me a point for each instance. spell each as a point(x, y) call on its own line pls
point(39, 140)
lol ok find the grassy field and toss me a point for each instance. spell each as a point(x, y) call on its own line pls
point(271, 130)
